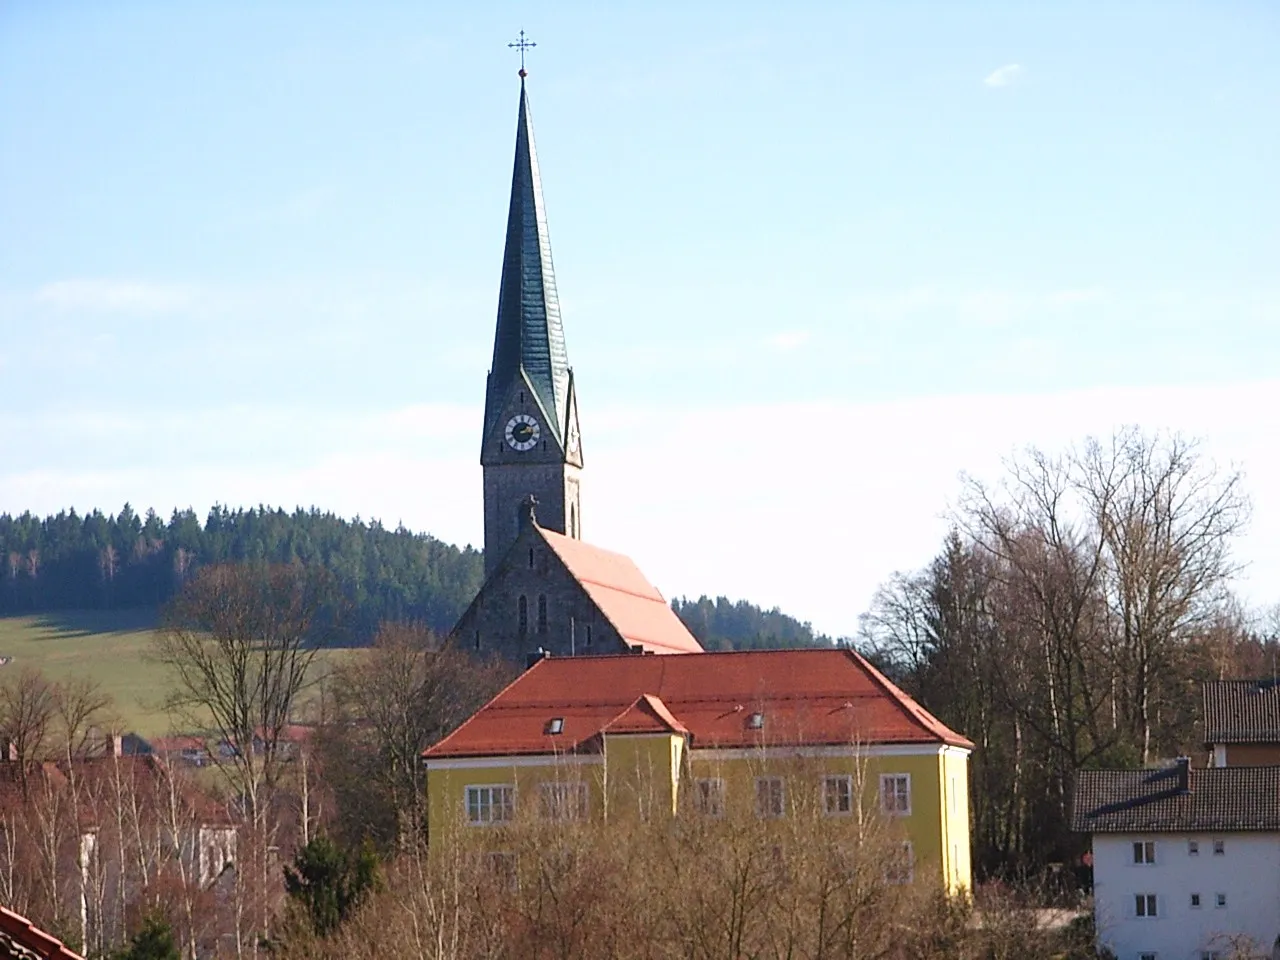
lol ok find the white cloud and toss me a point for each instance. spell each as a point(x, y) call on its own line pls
point(788, 339)
point(1005, 76)
point(114, 295)
point(808, 506)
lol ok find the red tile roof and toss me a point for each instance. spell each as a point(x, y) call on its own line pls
point(628, 601)
point(25, 934)
point(807, 697)
point(647, 715)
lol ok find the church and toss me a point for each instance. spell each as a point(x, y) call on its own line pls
point(546, 590)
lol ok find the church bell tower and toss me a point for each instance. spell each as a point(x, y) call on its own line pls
point(532, 446)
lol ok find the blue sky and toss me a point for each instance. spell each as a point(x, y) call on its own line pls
point(815, 259)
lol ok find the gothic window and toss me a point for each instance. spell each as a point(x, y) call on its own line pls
point(477, 639)
point(542, 614)
point(573, 520)
point(531, 558)
point(522, 614)
point(588, 634)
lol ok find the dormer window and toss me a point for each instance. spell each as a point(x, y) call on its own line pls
point(555, 725)
point(755, 721)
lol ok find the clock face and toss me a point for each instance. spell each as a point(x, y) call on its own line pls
point(522, 432)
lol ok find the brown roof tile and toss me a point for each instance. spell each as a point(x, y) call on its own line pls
point(1241, 711)
point(26, 936)
point(1216, 799)
point(807, 697)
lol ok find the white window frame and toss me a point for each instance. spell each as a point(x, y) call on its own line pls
point(502, 867)
point(903, 872)
point(1219, 901)
point(895, 794)
point(831, 790)
point(1219, 848)
point(480, 813)
point(564, 800)
point(708, 797)
point(1144, 853)
point(1146, 906)
point(775, 809)
point(1193, 848)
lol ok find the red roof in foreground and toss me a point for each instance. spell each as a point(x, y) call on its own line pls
point(805, 697)
point(25, 934)
point(630, 602)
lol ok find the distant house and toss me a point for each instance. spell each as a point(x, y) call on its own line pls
point(181, 748)
point(760, 733)
point(1242, 722)
point(1186, 861)
point(108, 825)
point(20, 939)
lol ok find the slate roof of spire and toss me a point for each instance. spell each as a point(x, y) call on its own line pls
point(529, 334)
point(1241, 711)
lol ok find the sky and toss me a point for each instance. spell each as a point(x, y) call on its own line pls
point(815, 261)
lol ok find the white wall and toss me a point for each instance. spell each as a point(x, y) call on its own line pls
point(1248, 873)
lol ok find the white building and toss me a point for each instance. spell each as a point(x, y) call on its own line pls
point(1186, 862)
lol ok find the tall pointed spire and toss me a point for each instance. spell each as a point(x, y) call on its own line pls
point(529, 336)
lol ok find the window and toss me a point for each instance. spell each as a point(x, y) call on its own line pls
point(1144, 905)
point(522, 615)
point(588, 634)
point(755, 721)
point(770, 797)
point(491, 804)
point(1220, 900)
point(1144, 851)
point(901, 864)
point(477, 639)
point(531, 558)
point(1210, 955)
point(1219, 848)
point(708, 797)
point(837, 795)
point(564, 801)
point(895, 793)
point(1195, 901)
point(542, 613)
point(1193, 848)
point(555, 726)
point(1146, 956)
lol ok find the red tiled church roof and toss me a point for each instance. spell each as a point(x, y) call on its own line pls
point(18, 931)
point(628, 601)
point(806, 697)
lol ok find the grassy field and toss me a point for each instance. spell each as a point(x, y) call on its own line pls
point(110, 647)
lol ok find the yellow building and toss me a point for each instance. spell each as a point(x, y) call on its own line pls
point(764, 733)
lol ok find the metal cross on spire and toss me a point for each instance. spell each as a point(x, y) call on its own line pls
point(522, 45)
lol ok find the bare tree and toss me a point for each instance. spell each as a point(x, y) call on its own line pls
point(1165, 519)
point(27, 710)
point(398, 699)
point(240, 641)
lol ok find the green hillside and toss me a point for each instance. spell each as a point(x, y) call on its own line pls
point(111, 647)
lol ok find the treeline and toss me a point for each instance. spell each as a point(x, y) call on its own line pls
point(99, 561)
point(1067, 622)
point(722, 624)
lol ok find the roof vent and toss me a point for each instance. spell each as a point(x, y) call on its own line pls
point(755, 721)
point(555, 725)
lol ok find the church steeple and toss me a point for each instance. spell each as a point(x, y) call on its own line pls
point(531, 446)
point(529, 338)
